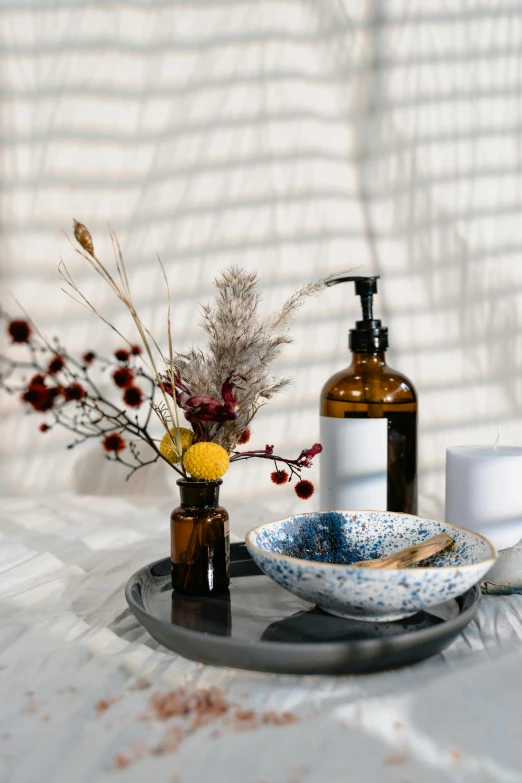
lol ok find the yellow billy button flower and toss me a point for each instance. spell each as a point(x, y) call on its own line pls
point(168, 448)
point(206, 461)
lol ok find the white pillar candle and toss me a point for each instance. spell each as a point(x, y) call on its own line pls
point(484, 491)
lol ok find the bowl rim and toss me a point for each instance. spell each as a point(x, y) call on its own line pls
point(374, 571)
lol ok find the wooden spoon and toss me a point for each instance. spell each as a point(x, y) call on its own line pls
point(412, 554)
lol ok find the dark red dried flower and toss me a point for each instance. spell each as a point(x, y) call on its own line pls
point(40, 397)
point(200, 407)
point(113, 442)
point(136, 350)
point(244, 438)
point(55, 365)
point(37, 380)
point(181, 391)
point(279, 476)
point(19, 331)
point(122, 355)
point(44, 427)
point(33, 395)
point(74, 391)
point(88, 357)
point(123, 377)
point(305, 458)
point(304, 489)
point(133, 396)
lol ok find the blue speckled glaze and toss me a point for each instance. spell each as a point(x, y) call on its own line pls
point(310, 555)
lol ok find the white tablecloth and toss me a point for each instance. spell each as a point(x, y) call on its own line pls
point(74, 664)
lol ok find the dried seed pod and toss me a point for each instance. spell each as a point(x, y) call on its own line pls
point(83, 237)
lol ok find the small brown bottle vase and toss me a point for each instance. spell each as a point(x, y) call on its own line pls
point(200, 540)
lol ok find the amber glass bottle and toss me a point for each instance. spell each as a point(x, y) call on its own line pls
point(200, 540)
point(368, 424)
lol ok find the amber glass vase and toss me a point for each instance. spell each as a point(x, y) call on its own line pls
point(200, 540)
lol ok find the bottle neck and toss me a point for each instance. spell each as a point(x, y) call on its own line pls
point(199, 494)
point(377, 359)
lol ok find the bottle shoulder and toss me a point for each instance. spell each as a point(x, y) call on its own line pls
point(375, 383)
point(195, 514)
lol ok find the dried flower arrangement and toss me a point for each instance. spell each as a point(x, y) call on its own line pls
point(219, 389)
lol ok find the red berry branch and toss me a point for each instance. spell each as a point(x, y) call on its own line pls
point(52, 382)
point(303, 488)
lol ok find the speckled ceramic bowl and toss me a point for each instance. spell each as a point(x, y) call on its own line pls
point(310, 555)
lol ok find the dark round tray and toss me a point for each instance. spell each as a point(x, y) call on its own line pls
point(258, 625)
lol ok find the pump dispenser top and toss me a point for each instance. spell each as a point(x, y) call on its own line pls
point(369, 336)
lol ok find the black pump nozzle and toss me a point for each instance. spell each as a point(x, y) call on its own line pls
point(368, 336)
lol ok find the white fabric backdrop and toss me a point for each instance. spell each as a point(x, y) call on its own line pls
point(291, 137)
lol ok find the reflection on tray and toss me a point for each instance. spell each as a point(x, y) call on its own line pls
point(209, 614)
point(317, 626)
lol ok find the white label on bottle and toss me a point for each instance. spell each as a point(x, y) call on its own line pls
point(353, 464)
